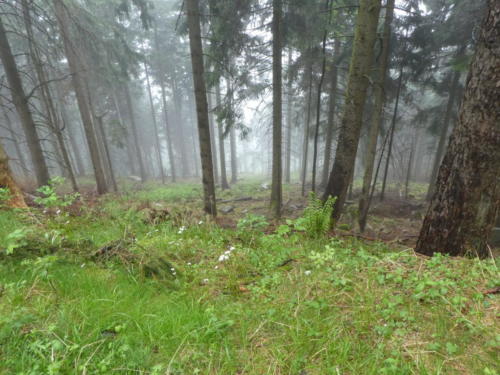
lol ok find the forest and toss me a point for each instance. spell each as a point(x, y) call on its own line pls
point(302, 187)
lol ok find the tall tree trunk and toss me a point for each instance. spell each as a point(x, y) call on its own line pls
point(289, 103)
point(377, 116)
point(392, 131)
point(135, 135)
point(180, 128)
point(357, 85)
point(155, 125)
point(193, 20)
point(6, 181)
point(276, 188)
point(223, 174)
point(320, 90)
point(20, 101)
point(234, 156)
point(213, 144)
point(444, 134)
point(305, 145)
point(76, 70)
point(332, 107)
point(409, 169)
point(462, 213)
point(107, 154)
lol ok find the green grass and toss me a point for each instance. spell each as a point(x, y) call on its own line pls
point(287, 303)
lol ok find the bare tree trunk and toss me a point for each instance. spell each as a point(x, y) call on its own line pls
point(332, 107)
point(409, 168)
point(193, 20)
point(276, 188)
point(463, 210)
point(20, 101)
point(305, 145)
point(180, 127)
point(6, 181)
point(135, 136)
point(361, 62)
point(444, 134)
point(102, 133)
point(155, 125)
point(234, 156)
point(223, 174)
point(392, 131)
point(289, 100)
point(318, 104)
point(76, 70)
point(213, 144)
point(377, 116)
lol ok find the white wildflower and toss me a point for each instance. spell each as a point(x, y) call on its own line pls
point(232, 248)
point(216, 267)
point(58, 212)
point(223, 258)
point(227, 252)
point(200, 222)
point(307, 273)
point(205, 281)
point(189, 263)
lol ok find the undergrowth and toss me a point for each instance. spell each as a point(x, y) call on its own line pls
point(121, 286)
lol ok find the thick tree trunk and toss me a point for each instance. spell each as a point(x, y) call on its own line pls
point(193, 20)
point(13, 138)
point(361, 62)
point(75, 67)
point(467, 199)
point(6, 181)
point(289, 103)
point(107, 154)
point(438, 157)
point(20, 101)
point(180, 128)
point(332, 107)
point(223, 174)
point(377, 116)
point(276, 188)
point(234, 156)
point(155, 125)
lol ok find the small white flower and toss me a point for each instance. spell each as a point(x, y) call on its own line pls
point(216, 267)
point(227, 252)
point(83, 265)
point(205, 281)
point(189, 263)
point(172, 269)
point(232, 248)
point(307, 273)
point(200, 222)
point(223, 258)
point(58, 212)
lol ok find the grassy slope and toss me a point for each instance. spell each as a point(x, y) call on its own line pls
point(340, 307)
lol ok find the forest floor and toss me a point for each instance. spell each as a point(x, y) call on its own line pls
point(142, 282)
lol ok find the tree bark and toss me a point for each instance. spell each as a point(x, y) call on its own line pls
point(467, 199)
point(102, 133)
point(20, 101)
point(361, 61)
point(276, 188)
point(14, 140)
point(135, 135)
point(193, 20)
point(378, 110)
point(305, 145)
point(234, 156)
point(6, 181)
point(332, 107)
point(438, 157)
point(76, 69)
point(213, 144)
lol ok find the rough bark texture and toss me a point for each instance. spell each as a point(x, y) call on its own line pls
point(21, 103)
point(305, 144)
point(6, 181)
point(289, 103)
point(75, 67)
point(357, 84)
point(213, 144)
point(467, 199)
point(332, 107)
point(193, 19)
point(276, 188)
point(377, 116)
point(14, 138)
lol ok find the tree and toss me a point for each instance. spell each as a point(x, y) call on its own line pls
point(276, 188)
point(77, 71)
point(467, 198)
point(361, 61)
point(6, 181)
point(377, 116)
point(20, 100)
point(193, 20)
